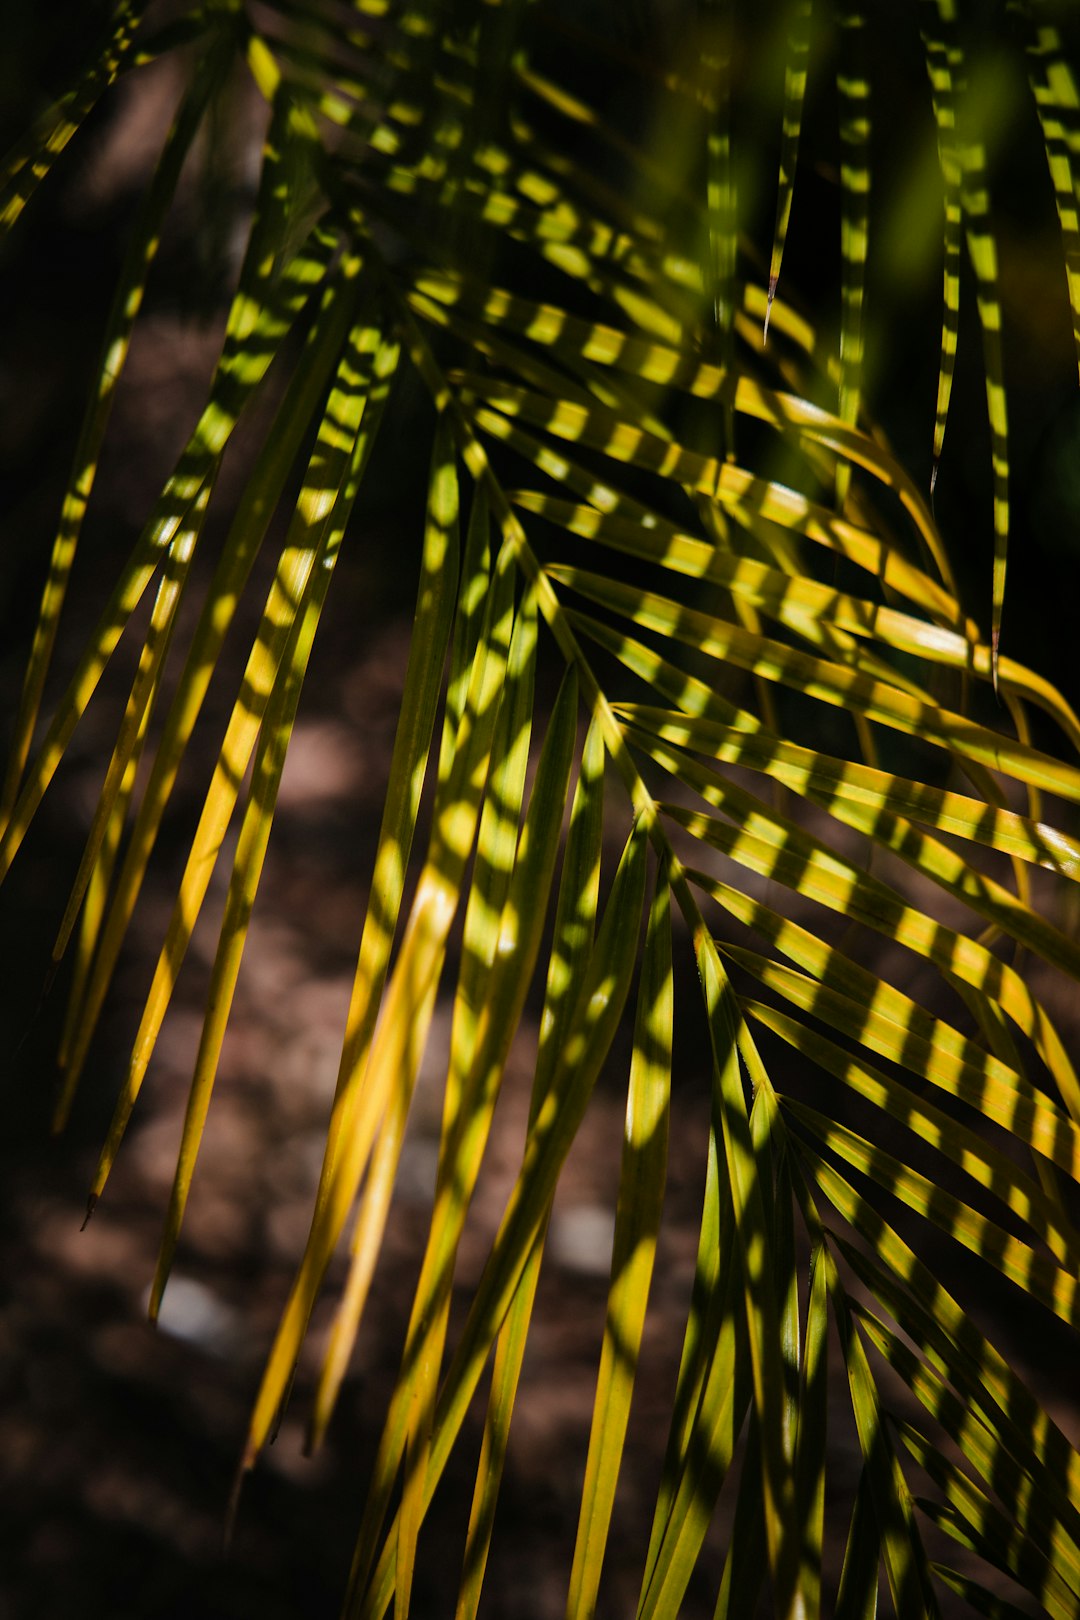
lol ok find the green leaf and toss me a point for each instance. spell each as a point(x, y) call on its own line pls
point(1009, 1428)
point(811, 1454)
point(984, 1451)
point(857, 1598)
point(829, 683)
point(853, 93)
point(1033, 1444)
point(964, 1147)
point(637, 1222)
point(842, 787)
point(127, 301)
point(33, 157)
point(409, 765)
point(905, 1559)
point(1057, 101)
point(747, 1556)
point(977, 1596)
point(798, 51)
point(963, 161)
point(596, 1015)
point(942, 93)
point(394, 1053)
point(574, 927)
point(562, 271)
point(931, 1049)
point(246, 534)
point(1039, 1277)
point(746, 1178)
point(260, 316)
point(504, 940)
point(718, 45)
point(314, 538)
point(970, 1517)
point(709, 1309)
point(715, 1376)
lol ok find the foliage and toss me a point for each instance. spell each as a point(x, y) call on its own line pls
point(708, 538)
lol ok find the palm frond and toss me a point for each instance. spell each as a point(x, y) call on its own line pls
point(770, 693)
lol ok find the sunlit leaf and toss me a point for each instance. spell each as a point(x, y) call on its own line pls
point(965, 1147)
point(964, 166)
point(853, 91)
point(798, 50)
point(694, 571)
point(596, 1014)
point(409, 765)
point(314, 537)
point(245, 538)
point(408, 1003)
point(637, 1220)
point(901, 1543)
point(1057, 102)
point(574, 926)
point(127, 302)
point(33, 157)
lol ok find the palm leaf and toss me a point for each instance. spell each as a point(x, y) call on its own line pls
point(574, 929)
point(641, 1197)
point(710, 552)
point(795, 71)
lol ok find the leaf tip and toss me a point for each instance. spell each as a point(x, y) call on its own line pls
point(91, 1205)
point(315, 1432)
point(153, 1306)
point(995, 640)
point(773, 280)
point(247, 1463)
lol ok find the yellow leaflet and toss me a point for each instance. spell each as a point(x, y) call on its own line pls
point(757, 1266)
point(905, 1560)
point(752, 499)
point(312, 529)
point(127, 301)
point(640, 1200)
point(976, 1522)
point(31, 161)
point(625, 441)
point(370, 1072)
point(978, 1080)
point(598, 1009)
point(807, 772)
point(798, 52)
point(1040, 1277)
point(408, 770)
point(245, 536)
point(981, 1446)
point(257, 323)
point(337, 466)
point(140, 703)
point(853, 92)
point(967, 1148)
point(1057, 101)
point(955, 1346)
point(832, 683)
point(516, 947)
point(574, 927)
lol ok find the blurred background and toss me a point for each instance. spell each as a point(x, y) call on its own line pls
point(118, 1443)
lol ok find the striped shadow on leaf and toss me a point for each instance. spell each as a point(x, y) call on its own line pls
point(711, 801)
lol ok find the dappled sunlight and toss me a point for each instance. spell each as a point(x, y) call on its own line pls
point(678, 707)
